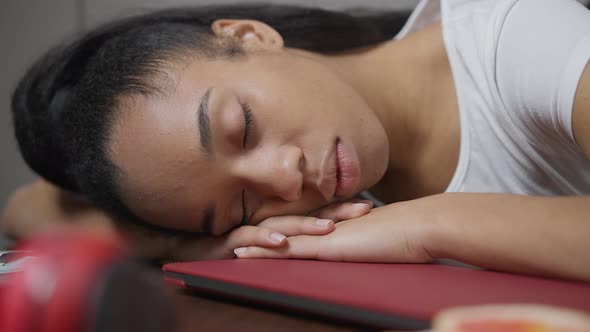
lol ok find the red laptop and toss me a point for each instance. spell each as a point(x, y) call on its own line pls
point(390, 296)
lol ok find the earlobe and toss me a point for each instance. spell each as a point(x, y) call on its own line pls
point(252, 34)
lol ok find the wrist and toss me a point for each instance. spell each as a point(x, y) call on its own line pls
point(434, 226)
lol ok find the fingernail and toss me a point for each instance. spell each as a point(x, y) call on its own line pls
point(368, 202)
point(323, 222)
point(240, 251)
point(361, 205)
point(277, 237)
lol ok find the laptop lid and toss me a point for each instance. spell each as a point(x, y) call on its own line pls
point(401, 296)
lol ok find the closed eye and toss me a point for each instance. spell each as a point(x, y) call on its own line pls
point(247, 128)
point(247, 121)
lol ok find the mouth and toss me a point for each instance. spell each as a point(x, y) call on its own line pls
point(348, 169)
point(340, 171)
point(329, 174)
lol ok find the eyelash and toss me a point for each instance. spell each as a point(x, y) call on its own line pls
point(247, 110)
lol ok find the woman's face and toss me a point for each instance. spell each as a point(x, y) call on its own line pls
point(271, 133)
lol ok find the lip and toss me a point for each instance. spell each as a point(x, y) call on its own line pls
point(340, 171)
point(328, 176)
point(348, 169)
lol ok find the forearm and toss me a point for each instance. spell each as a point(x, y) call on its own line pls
point(40, 207)
point(547, 236)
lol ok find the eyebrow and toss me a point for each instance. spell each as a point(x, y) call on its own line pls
point(208, 217)
point(203, 123)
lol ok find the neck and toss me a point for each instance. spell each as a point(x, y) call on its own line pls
point(403, 82)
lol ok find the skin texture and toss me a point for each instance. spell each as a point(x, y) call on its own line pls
point(301, 104)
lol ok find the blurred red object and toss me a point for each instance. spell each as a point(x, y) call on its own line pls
point(82, 281)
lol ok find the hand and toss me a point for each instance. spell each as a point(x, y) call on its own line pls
point(389, 234)
point(40, 207)
point(270, 233)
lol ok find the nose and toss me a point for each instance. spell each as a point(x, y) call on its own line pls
point(274, 171)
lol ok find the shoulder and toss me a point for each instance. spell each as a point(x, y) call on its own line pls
point(479, 13)
point(472, 30)
point(581, 113)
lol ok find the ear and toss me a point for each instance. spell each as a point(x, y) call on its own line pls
point(253, 35)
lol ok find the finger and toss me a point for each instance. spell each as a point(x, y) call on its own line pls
point(223, 247)
point(300, 247)
point(254, 236)
point(260, 252)
point(344, 210)
point(298, 225)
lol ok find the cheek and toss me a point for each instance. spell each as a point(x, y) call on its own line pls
point(372, 146)
point(169, 210)
point(284, 89)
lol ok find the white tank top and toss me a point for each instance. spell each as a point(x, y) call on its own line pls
point(516, 65)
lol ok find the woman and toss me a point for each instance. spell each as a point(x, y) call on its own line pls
point(207, 120)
